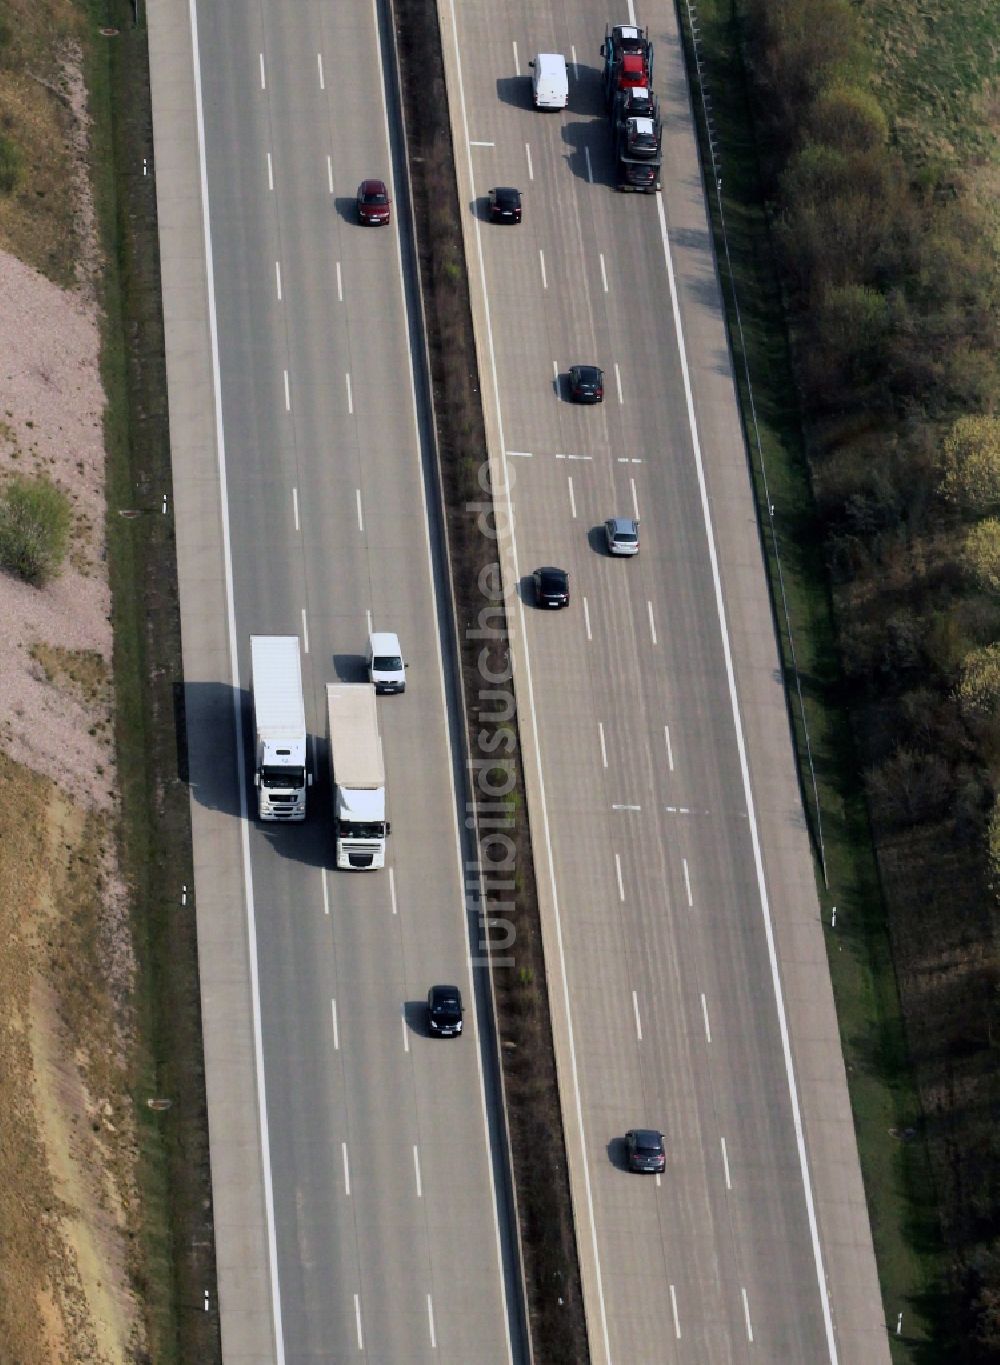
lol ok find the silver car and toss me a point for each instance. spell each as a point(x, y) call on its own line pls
point(622, 535)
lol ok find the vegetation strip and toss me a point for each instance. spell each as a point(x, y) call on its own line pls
point(178, 1240)
point(507, 909)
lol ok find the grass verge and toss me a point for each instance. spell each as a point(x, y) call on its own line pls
point(887, 1114)
point(176, 1260)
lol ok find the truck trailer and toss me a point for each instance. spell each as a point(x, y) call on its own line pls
point(279, 720)
point(357, 776)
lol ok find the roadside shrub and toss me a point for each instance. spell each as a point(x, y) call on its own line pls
point(848, 118)
point(34, 529)
point(10, 165)
point(981, 554)
point(971, 452)
point(979, 684)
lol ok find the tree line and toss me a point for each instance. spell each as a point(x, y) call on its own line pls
point(889, 272)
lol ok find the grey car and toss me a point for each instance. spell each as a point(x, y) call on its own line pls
point(644, 1147)
point(622, 535)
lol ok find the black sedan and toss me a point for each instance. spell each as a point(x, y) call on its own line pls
point(444, 1011)
point(551, 586)
point(505, 204)
point(586, 384)
point(644, 1147)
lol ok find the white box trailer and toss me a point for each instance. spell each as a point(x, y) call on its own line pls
point(279, 719)
point(357, 775)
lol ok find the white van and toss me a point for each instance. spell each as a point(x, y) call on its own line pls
point(386, 669)
point(549, 81)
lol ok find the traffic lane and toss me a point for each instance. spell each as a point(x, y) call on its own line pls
point(575, 815)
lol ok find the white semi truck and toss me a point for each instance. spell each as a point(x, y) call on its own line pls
point(279, 720)
point(357, 775)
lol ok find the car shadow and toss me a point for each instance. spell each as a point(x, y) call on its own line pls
point(598, 541)
point(526, 590)
point(618, 1154)
point(415, 1018)
point(515, 90)
point(347, 207)
point(350, 667)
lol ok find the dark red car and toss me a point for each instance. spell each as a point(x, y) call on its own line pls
point(374, 205)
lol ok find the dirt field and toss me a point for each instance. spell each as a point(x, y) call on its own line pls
point(69, 1210)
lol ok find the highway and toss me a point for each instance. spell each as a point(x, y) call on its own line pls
point(353, 1160)
point(686, 958)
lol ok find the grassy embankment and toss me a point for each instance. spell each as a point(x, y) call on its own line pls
point(170, 1262)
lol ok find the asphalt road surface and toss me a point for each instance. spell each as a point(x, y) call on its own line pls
point(353, 1159)
point(687, 963)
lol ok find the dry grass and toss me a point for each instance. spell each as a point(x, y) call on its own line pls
point(66, 1150)
point(38, 219)
point(81, 672)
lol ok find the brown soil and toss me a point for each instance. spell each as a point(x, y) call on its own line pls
point(68, 1201)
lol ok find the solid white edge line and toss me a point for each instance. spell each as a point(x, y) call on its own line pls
point(751, 809)
point(336, 1030)
point(440, 672)
point(234, 673)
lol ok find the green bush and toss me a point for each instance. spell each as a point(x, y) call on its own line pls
point(10, 165)
point(971, 459)
point(34, 529)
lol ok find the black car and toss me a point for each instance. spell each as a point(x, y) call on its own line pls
point(586, 384)
point(645, 1150)
point(551, 586)
point(505, 204)
point(444, 1011)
